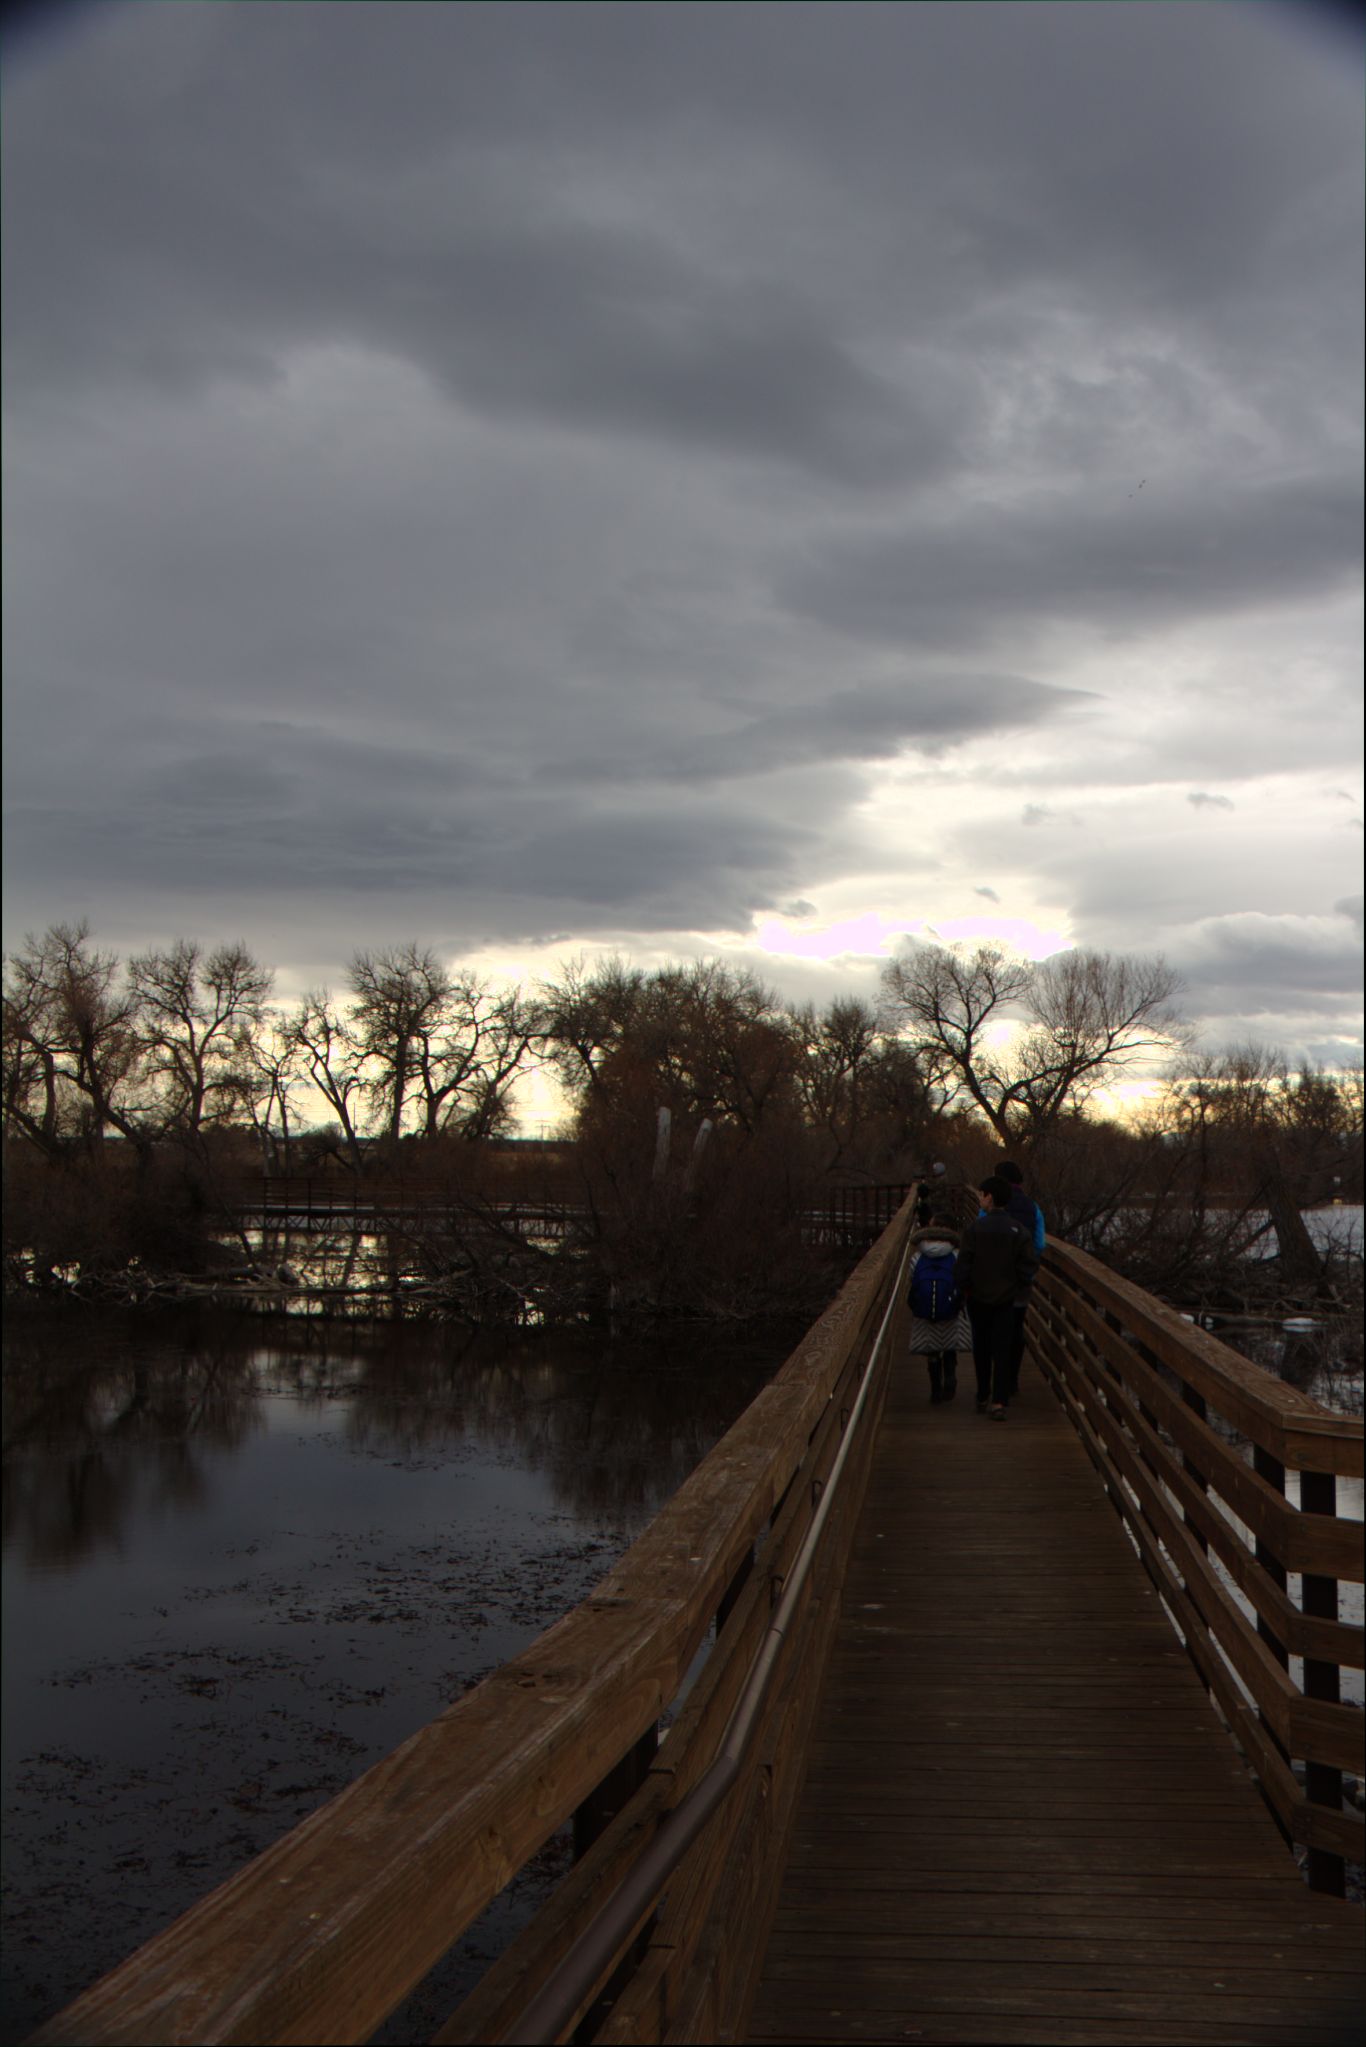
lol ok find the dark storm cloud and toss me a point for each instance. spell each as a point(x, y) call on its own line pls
point(533, 468)
point(472, 271)
point(1091, 562)
point(924, 713)
point(306, 811)
point(1273, 978)
point(226, 186)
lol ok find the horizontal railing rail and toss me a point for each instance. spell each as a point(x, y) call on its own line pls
point(327, 1932)
point(1194, 1443)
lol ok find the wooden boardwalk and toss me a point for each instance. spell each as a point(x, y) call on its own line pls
point(1022, 1820)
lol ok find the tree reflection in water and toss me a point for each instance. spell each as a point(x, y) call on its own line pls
point(99, 1427)
point(244, 1558)
point(103, 1421)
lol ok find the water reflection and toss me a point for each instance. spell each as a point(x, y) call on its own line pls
point(246, 1557)
point(94, 1433)
point(104, 1422)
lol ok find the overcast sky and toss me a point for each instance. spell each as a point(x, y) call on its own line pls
point(742, 479)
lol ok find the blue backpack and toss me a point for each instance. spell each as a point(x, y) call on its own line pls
point(934, 1287)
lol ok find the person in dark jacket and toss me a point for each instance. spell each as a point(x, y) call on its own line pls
point(1029, 1215)
point(996, 1263)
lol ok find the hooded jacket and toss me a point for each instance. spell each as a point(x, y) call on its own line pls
point(997, 1260)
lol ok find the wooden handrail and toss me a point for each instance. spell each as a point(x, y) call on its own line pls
point(1282, 1418)
point(320, 1937)
point(1218, 1535)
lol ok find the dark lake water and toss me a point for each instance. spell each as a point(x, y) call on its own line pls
point(245, 1558)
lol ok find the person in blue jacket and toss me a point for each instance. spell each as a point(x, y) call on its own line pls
point(1029, 1215)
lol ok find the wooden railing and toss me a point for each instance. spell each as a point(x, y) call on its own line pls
point(1194, 1444)
point(327, 1932)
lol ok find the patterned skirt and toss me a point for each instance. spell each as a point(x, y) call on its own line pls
point(927, 1339)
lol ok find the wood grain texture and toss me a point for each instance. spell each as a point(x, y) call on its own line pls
point(1022, 1819)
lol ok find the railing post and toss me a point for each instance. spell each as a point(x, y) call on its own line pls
point(1319, 1596)
point(1196, 1402)
point(1273, 1471)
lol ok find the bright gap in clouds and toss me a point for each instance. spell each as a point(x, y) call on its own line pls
point(872, 934)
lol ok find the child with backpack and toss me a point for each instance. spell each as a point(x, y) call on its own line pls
point(939, 1320)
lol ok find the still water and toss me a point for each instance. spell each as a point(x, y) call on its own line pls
point(244, 1559)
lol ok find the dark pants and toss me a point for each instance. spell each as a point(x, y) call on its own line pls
point(993, 1347)
point(943, 1366)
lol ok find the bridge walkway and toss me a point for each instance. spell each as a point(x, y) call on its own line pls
point(1022, 1820)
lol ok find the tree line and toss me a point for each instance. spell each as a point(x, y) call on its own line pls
point(693, 1076)
point(183, 1041)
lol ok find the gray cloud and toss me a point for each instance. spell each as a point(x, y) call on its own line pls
point(1279, 959)
point(1088, 563)
point(586, 469)
point(1035, 814)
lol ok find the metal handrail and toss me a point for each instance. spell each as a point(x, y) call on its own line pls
point(559, 1998)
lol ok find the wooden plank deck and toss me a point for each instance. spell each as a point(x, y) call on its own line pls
point(1022, 1821)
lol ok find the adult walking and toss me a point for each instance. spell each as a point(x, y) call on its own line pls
point(939, 1322)
point(1028, 1214)
point(996, 1264)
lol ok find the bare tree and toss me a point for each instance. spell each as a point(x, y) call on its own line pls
point(32, 1089)
point(837, 1049)
point(703, 1039)
point(466, 1056)
point(319, 1038)
point(1079, 1019)
point(403, 1000)
point(1092, 1016)
point(269, 1068)
point(72, 1045)
point(583, 1020)
point(946, 1002)
point(201, 1017)
point(438, 1041)
point(1270, 1138)
point(724, 1046)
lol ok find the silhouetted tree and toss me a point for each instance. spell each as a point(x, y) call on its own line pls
point(325, 1049)
point(1079, 1019)
point(73, 1048)
point(202, 1017)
